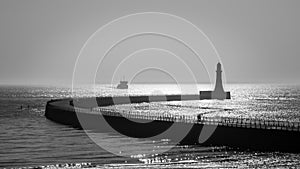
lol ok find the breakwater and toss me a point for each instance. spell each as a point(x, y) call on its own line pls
point(234, 132)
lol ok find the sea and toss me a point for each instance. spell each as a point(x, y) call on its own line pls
point(29, 140)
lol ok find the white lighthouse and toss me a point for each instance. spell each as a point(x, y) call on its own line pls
point(219, 92)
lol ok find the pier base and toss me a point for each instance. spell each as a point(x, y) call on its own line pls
point(214, 95)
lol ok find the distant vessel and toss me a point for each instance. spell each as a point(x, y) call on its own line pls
point(123, 84)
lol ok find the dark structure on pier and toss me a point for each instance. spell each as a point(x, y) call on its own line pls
point(219, 92)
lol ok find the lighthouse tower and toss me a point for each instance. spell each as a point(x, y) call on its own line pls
point(219, 92)
point(219, 84)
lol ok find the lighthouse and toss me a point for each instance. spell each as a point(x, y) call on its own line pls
point(219, 86)
point(219, 92)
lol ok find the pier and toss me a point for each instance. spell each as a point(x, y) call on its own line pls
point(97, 114)
point(242, 133)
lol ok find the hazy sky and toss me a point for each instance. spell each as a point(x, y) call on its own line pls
point(258, 41)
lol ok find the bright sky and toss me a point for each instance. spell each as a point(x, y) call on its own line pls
point(258, 41)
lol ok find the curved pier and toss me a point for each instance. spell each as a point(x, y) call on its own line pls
point(233, 132)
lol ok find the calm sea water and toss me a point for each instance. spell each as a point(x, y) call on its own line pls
point(27, 138)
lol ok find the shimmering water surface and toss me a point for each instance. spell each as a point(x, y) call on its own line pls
point(27, 138)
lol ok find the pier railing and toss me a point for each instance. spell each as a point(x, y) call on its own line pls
point(194, 119)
